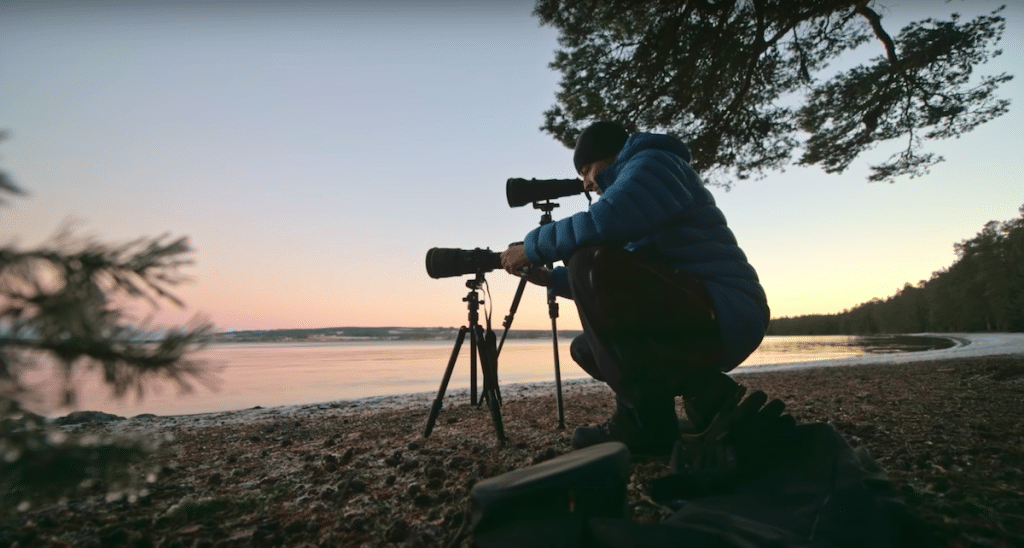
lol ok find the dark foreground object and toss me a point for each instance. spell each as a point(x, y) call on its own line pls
point(547, 504)
point(757, 480)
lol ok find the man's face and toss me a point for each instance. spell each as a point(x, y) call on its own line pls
point(589, 174)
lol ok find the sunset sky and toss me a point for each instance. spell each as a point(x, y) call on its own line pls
point(314, 152)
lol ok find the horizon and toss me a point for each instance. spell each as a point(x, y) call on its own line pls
point(313, 153)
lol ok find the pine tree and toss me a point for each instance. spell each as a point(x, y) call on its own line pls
point(67, 304)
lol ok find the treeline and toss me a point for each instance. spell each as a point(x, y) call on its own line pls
point(982, 291)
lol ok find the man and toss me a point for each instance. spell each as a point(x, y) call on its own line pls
point(667, 299)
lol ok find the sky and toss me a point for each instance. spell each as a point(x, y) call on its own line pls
point(313, 153)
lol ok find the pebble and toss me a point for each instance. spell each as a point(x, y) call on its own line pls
point(459, 463)
point(83, 417)
point(355, 521)
point(397, 532)
point(546, 454)
point(357, 485)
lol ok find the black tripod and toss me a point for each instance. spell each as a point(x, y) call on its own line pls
point(484, 344)
point(545, 218)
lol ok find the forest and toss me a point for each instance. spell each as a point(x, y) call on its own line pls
point(983, 290)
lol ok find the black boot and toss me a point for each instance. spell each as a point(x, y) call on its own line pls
point(708, 395)
point(648, 429)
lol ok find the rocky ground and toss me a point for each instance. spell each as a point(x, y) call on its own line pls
point(950, 434)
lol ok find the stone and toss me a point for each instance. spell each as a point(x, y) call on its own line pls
point(84, 417)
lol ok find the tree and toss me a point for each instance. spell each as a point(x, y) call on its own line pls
point(68, 303)
point(743, 81)
point(983, 290)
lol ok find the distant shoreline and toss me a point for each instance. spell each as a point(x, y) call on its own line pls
point(388, 334)
point(383, 334)
point(967, 346)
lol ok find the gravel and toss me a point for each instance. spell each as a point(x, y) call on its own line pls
point(950, 434)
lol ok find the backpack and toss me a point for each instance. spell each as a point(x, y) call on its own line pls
point(755, 479)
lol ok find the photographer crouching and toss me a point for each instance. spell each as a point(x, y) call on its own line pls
point(667, 299)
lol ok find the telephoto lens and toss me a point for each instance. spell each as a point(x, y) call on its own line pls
point(447, 262)
point(520, 192)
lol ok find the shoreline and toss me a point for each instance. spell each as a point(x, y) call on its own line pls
point(946, 427)
point(966, 345)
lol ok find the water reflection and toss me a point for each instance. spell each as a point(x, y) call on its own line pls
point(787, 349)
point(805, 348)
point(272, 374)
point(890, 344)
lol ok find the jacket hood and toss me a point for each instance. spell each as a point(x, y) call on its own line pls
point(637, 143)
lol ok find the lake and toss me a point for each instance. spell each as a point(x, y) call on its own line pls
point(275, 374)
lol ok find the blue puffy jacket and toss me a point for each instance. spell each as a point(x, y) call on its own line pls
point(653, 202)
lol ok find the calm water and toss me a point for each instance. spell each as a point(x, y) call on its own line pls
point(273, 374)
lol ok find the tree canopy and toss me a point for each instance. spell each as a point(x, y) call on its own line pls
point(747, 84)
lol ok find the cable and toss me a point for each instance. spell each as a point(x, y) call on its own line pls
point(488, 305)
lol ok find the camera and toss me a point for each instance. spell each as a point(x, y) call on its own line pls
point(447, 262)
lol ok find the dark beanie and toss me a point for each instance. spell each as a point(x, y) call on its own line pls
point(597, 142)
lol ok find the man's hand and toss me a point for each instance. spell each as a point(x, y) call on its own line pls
point(514, 259)
point(539, 275)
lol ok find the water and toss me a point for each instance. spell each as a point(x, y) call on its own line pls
point(274, 374)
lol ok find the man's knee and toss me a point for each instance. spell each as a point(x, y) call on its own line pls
point(592, 261)
point(582, 260)
point(583, 355)
point(580, 351)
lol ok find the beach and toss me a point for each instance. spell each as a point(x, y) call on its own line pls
point(946, 426)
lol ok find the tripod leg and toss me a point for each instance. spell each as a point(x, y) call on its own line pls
point(511, 314)
point(553, 312)
point(439, 402)
point(489, 366)
point(558, 379)
point(473, 349)
point(489, 357)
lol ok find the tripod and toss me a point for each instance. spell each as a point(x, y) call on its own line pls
point(484, 344)
point(545, 218)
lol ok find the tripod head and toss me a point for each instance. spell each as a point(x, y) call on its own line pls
point(546, 207)
point(476, 283)
point(473, 300)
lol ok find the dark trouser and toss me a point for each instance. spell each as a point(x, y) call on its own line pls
point(649, 332)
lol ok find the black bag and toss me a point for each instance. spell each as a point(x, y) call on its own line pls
point(547, 504)
point(759, 481)
point(816, 491)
